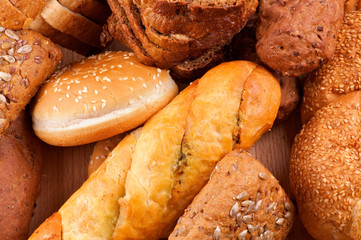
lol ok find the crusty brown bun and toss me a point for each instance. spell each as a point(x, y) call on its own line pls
point(231, 106)
point(20, 171)
point(242, 200)
point(325, 171)
point(99, 97)
point(338, 76)
point(295, 37)
point(50, 229)
point(101, 151)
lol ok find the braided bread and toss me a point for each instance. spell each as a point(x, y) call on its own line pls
point(171, 158)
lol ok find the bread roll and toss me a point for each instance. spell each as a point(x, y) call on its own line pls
point(20, 171)
point(174, 155)
point(99, 97)
point(242, 200)
point(325, 171)
point(338, 76)
point(26, 60)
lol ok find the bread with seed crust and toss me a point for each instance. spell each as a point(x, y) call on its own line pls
point(242, 200)
point(325, 172)
point(340, 75)
point(26, 59)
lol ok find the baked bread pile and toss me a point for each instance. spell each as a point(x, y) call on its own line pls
point(186, 37)
point(72, 24)
point(182, 143)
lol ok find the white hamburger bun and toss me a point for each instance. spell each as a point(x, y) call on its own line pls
point(99, 97)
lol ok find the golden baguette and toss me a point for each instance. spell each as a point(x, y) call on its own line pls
point(174, 155)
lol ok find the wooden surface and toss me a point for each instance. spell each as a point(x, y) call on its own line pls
point(65, 169)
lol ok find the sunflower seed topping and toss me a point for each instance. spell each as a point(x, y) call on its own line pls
point(5, 76)
point(288, 214)
point(263, 176)
point(234, 210)
point(241, 196)
point(2, 29)
point(11, 51)
point(24, 49)
point(280, 221)
point(268, 235)
point(239, 219)
point(11, 34)
point(250, 228)
point(288, 206)
point(246, 203)
point(258, 206)
point(242, 235)
point(270, 207)
point(2, 98)
point(217, 233)
point(247, 218)
point(8, 58)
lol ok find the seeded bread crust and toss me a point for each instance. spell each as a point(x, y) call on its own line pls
point(338, 76)
point(26, 60)
point(96, 10)
point(69, 22)
point(20, 167)
point(242, 200)
point(295, 37)
point(65, 40)
point(325, 170)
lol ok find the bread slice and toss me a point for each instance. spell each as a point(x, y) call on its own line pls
point(69, 22)
point(63, 39)
point(96, 10)
point(11, 17)
point(30, 8)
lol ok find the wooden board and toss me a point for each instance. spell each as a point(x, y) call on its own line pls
point(65, 169)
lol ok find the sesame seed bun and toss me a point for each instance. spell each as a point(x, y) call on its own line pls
point(325, 171)
point(99, 97)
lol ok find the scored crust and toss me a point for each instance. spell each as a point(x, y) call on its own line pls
point(69, 22)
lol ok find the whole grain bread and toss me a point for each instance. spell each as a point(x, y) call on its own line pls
point(242, 200)
point(295, 37)
point(26, 59)
point(69, 22)
point(20, 168)
point(11, 17)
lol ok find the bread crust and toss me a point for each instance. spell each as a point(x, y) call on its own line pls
point(300, 47)
point(50, 229)
point(338, 76)
point(238, 202)
point(27, 59)
point(30, 8)
point(20, 168)
point(325, 170)
point(10, 16)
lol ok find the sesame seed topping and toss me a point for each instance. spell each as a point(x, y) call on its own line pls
point(94, 108)
point(67, 95)
point(96, 91)
point(144, 85)
point(159, 70)
point(56, 109)
point(76, 100)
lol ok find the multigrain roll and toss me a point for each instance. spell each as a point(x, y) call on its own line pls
point(242, 200)
point(338, 76)
point(20, 172)
point(99, 97)
point(296, 37)
point(26, 60)
point(325, 171)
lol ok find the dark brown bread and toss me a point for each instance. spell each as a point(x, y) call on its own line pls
point(295, 37)
point(20, 170)
point(242, 200)
point(26, 60)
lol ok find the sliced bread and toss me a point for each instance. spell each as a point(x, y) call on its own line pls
point(30, 8)
point(96, 10)
point(69, 22)
point(11, 17)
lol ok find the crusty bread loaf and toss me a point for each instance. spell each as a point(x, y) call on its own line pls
point(49, 230)
point(20, 171)
point(96, 10)
point(338, 76)
point(294, 37)
point(69, 22)
point(99, 97)
point(325, 170)
point(101, 151)
point(174, 155)
point(242, 200)
point(26, 60)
